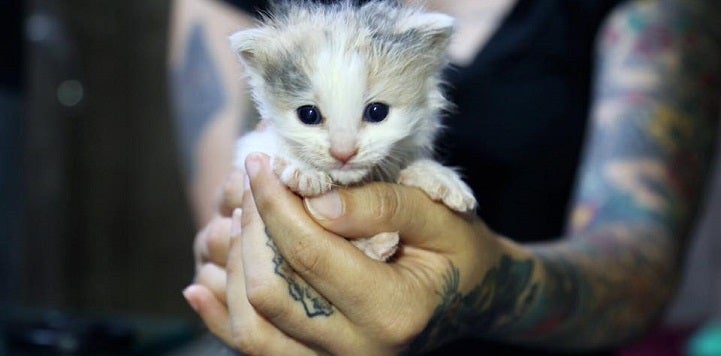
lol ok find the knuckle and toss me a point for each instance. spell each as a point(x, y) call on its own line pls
point(217, 239)
point(248, 340)
point(304, 256)
point(404, 324)
point(399, 331)
point(266, 295)
point(206, 273)
point(208, 238)
point(265, 203)
point(385, 203)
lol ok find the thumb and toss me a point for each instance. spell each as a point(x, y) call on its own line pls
point(382, 207)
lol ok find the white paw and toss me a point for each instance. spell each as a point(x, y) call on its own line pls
point(379, 247)
point(306, 182)
point(440, 183)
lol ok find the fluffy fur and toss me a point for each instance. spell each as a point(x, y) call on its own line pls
point(340, 58)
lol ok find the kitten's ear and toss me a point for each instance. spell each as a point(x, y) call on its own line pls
point(250, 46)
point(434, 28)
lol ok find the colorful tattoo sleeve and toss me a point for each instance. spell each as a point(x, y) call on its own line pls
point(653, 125)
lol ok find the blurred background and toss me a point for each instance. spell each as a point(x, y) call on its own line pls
point(95, 229)
point(94, 223)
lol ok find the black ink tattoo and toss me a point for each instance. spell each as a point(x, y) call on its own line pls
point(501, 299)
point(197, 94)
point(313, 303)
point(442, 327)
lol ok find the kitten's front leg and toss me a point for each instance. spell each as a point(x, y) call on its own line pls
point(303, 180)
point(440, 183)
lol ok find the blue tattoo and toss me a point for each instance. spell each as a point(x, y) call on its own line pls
point(197, 94)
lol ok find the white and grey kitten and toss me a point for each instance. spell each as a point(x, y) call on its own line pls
point(350, 94)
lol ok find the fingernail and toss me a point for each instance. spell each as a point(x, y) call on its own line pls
point(325, 207)
point(252, 164)
point(186, 295)
point(235, 222)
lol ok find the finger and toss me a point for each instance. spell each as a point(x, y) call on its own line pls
point(214, 279)
point(327, 262)
point(232, 193)
point(252, 333)
point(380, 207)
point(213, 312)
point(278, 293)
point(212, 243)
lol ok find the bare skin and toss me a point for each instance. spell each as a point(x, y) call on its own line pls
point(604, 282)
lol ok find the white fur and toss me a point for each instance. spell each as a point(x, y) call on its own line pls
point(340, 59)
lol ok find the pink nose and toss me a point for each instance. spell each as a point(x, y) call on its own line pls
point(343, 156)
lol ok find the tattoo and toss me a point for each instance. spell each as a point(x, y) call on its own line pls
point(443, 326)
point(313, 303)
point(652, 136)
point(501, 299)
point(197, 94)
point(648, 156)
point(614, 279)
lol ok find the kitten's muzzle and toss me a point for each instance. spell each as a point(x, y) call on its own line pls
point(343, 156)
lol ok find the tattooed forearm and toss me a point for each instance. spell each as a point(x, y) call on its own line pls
point(652, 133)
point(197, 93)
point(602, 289)
point(443, 325)
point(313, 303)
point(499, 301)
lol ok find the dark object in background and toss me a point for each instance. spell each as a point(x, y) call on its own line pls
point(64, 334)
point(29, 332)
point(11, 44)
point(11, 141)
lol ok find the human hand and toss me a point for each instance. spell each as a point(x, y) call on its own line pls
point(330, 297)
point(207, 295)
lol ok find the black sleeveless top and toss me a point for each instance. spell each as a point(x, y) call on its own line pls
point(522, 107)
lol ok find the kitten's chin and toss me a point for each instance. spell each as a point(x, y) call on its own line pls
point(348, 176)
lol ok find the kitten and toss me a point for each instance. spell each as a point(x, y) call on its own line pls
point(350, 94)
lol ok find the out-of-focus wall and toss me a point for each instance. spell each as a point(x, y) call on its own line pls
point(107, 225)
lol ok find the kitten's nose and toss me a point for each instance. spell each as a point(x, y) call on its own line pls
point(342, 155)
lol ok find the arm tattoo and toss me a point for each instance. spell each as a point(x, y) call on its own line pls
point(501, 299)
point(657, 107)
point(652, 135)
point(197, 94)
point(313, 303)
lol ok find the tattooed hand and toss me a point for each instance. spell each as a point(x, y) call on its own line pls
point(293, 284)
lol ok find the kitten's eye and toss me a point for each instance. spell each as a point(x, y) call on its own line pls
point(375, 112)
point(309, 115)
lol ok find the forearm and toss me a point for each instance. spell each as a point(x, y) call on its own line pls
point(652, 133)
point(594, 291)
point(207, 91)
point(653, 126)
point(600, 290)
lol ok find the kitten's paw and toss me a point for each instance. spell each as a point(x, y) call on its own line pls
point(304, 181)
point(379, 247)
point(440, 183)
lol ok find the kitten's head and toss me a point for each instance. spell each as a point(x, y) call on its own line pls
point(349, 88)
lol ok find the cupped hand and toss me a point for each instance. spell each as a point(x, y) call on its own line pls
point(291, 270)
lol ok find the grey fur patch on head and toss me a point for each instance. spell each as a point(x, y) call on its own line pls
point(404, 47)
